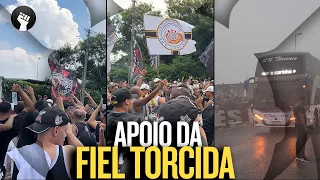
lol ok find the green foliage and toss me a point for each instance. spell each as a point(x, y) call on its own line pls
point(39, 89)
point(74, 58)
point(181, 66)
point(196, 12)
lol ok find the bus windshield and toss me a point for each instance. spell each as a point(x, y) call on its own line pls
point(283, 96)
point(280, 65)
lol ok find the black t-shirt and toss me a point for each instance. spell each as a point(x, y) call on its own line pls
point(109, 108)
point(7, 136)
point(208, 123)
point(112, 122)
point(204, 100)
point(297, 110)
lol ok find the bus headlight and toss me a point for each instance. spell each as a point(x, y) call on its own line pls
point(258, 116)
point(292, 118)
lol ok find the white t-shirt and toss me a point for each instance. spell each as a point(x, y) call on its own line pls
point(8, 163)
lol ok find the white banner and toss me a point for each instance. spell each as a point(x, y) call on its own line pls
point(111, 39)
point(168, 36)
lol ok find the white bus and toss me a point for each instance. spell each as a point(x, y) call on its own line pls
point(280, 79)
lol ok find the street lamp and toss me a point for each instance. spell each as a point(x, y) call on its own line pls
point(295, 41)
point(38, 67)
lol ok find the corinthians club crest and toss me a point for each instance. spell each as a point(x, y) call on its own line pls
point(66, 84)
point(171, 35)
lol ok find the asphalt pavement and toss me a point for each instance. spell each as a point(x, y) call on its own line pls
point(253, 148)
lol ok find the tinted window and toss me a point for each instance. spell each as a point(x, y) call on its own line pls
point(280, 65)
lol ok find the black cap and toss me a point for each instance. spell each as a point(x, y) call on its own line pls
point(5, 107)
point(48, 118)
point(178, 110)
point(120, 96)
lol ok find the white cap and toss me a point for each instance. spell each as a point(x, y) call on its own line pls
point(156, 80)
point(50, 101)
point(175, 82)
point(145, 87)
point(209, 89)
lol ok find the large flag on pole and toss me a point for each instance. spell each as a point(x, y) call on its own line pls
point(207, 57)
point(111, 38)
point(168, 36)
point(67, 78)
point(137, 62)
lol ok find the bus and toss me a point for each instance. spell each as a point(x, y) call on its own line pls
point(280, 79)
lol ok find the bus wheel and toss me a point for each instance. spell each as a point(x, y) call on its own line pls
point(316, 118)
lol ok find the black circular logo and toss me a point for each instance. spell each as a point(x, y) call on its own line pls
point(23, 18)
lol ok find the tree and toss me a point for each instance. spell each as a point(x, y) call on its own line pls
point(196, 12)
point(74, 58)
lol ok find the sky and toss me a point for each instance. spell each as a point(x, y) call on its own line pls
point(58, 22)
point(157, 4)
point(125, 4)
point(258, 26)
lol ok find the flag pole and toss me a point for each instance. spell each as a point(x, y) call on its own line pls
point(84, 80)
point(158, 64)
point(132, 35)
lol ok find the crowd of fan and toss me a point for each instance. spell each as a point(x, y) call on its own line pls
point(146, 98)
point(51, 128)
point(39, 137)
point(191, 101)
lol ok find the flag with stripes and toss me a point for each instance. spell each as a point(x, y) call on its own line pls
point(207, 58)
point(137, 62)
point(168, 36)
point(111, 39)
point(207, 55)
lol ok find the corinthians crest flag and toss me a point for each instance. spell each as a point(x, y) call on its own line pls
point(137, 62)
point(168, 36)
point(67, 79)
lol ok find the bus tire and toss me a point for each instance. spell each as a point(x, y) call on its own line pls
point(316, 118)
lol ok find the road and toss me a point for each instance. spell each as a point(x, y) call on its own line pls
point(252, 151)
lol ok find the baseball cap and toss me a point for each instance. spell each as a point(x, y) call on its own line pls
point(50, 101)
point(120, 96)
point(145, 87)
point(48, 118)
point(156, 80)
point(210, 89)
point(180, 91)
point(175, 110)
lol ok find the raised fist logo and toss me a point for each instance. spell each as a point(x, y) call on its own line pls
point(23, 18)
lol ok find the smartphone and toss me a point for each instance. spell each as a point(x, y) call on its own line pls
point(14, 98)
point(104, 96)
